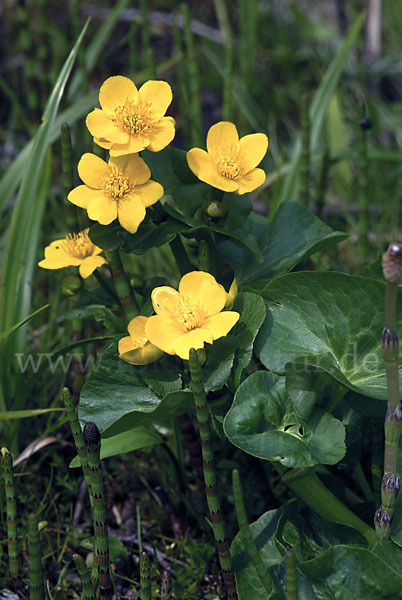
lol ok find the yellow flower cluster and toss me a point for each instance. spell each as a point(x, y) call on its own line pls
point(184, 319)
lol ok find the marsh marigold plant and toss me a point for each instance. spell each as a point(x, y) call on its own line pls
point(76, 249)
point(131, 120)
point(136, 348)
point(191, 316)
point(230, 163)
point(119, 189)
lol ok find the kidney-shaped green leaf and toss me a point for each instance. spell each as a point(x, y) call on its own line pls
point(327, 321)
point(262, 422)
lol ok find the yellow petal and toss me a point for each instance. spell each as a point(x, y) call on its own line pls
point(158, 94)
point(149, 193)
point(162, 331)
point(251, 181)
point(131, 212)
point(219, 181)
point(135, 144)
point(141, 356)
point(231, 295)
point(136, 328)
point(103, 210)
point(252, 150)
point(102, 126)
point(82, 195)
point(192, 339)
point(93, 170)
point(57, 254)
point(164, 298)
point(132, 167)
point(126, 344)
point(200, 161)
point(221, 138)
point(161, 134)
point(115, 91)
point(89, 264)
point(203, 288)
point(220, 324)
point(103, 143)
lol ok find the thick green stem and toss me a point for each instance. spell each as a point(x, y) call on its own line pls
point(92, 442)
point(36, 591)
point(217, 523)
point(88, 590)
point(305, 152)
point(245, 533)
point(121, 284)
point(11, 512)
point(145, 579)
point(180, 255)
point(291, 577)
point(305, 484)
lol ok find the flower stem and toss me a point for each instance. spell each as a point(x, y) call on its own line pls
point(11, 511)
point(245, 534)
point(92, 441)
point(121, 283)
point(36, 591)
point(291, 576)
point(180, 255)
point(105, 286)
point(145, 580)
point(88, 590)
point(217, 523)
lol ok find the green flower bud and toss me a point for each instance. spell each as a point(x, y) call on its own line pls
point(70, 285)
point(216, 210)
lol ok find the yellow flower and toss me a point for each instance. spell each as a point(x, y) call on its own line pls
point(136, 349)
point(118, 189)
point(231, 294)
point(189, 317)
point(131, 119)
point(75, 249)
point(230, 163)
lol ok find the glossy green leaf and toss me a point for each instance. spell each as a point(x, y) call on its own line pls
point(292, 236)
point(116, 396)
point(327, 321)
point(134, 439)
point(262, 422)
point(151, 235)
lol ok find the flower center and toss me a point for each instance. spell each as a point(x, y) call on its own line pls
point(187, 314)
point(132, 118)
point(78, 244)
point(228, 167)
point(116, 185)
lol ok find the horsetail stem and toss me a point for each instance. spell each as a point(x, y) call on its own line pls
point(121, 283)
point(245, 533)
point(165, 587)
point(88, 590)
point(224, 26)
point(180, 255)
point(203, 256)
point(217, 523)
point(99, 151)
point(305, 152)
point(193, 79)
point(291, 576)
point(67, 175)
point(376, 459)
point(145, 580)
point(36, 590)
point(92, 445)
point(11, 512)
point(78, 437)
point(392, 270)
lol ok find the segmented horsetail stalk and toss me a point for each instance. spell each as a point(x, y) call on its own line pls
point(204, 424)
point(305, 152)
point(88, 590)
point(78, 437)
point(291, 576)
point(392, 270)
point(67, 177)
point(11, 511)
point(165, 587)
point(92, 442)
point(145, 579)
point(99, 151)
point(121, 283)
point(193, 79)
point(245, 533)
point(36, 590)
